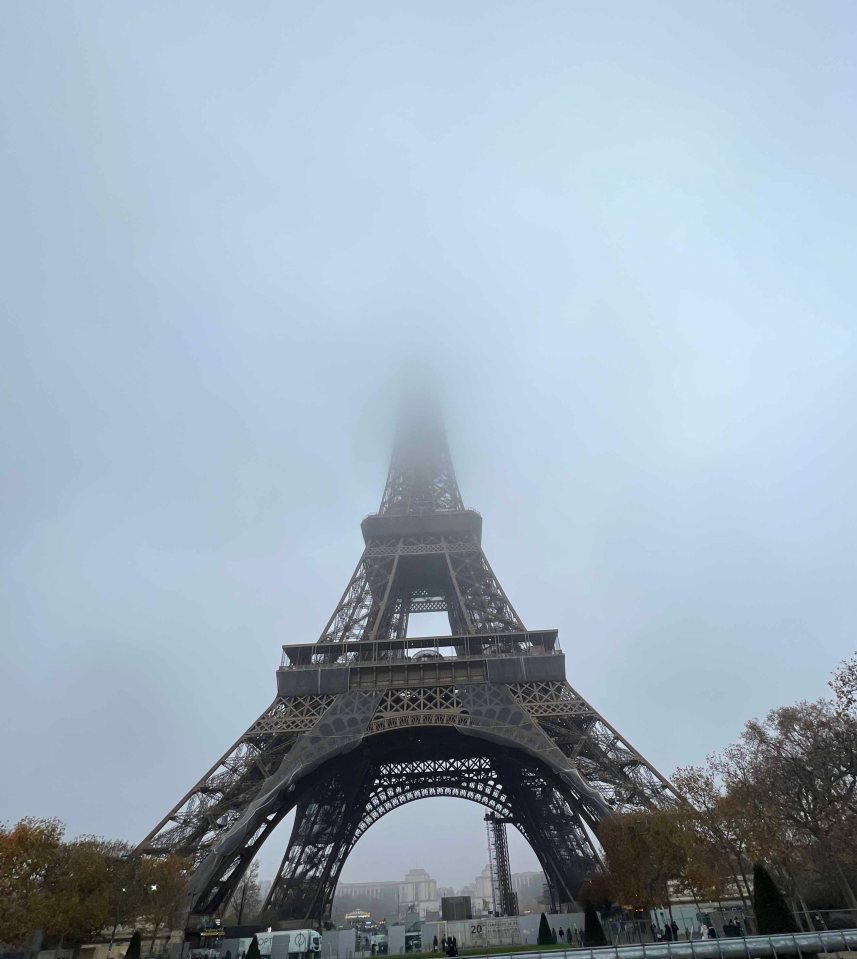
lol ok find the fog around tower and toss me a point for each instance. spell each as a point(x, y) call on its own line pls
point(619, 242)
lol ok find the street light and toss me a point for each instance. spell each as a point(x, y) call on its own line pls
point(153, 887)
point(125, 872)
point(122, 890)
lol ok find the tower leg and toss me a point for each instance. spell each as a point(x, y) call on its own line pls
point(554, 829)
point(322, 835)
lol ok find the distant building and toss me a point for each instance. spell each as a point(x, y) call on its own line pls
point(357, 917)
point(453, 908)
point(522, 881)
point(530, 887)
point(416, 895)
point(527, 885)
point(482, 885)
point(364, 890)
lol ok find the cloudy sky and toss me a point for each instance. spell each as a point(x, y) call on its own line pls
point(624, 237)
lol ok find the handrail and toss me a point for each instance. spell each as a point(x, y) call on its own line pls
point(389, 652)
point(797, 944)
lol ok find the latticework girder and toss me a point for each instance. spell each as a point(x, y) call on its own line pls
point(504, 897)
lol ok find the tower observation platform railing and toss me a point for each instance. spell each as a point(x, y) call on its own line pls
point(527, 656)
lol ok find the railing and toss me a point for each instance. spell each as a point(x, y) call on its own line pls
point(423, 649)
point(802, 944)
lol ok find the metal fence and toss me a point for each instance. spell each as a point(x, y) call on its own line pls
point(804, 945)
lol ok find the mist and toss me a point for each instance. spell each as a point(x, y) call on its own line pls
point(618, 241)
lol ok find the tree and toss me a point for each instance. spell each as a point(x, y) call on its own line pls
point(27, 851)
point(844, 685)
point(593, 932)
point(795, 774)
point(715, 841)
point(772, 912)
point(79, 890)
point(246, 901)
point(545, 937)
point(598, 889)
point(253, 949)
point(125, 892)
point(134, 946)
point(644, 852)
point(163, 889)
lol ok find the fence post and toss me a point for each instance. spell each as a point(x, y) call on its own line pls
point(797, 947)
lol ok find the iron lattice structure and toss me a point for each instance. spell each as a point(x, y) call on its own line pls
point(367, 719)
point(504, 899)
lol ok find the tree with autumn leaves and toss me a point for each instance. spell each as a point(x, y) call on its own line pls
point(71, 891)
point(27, 851)
point(784, 795)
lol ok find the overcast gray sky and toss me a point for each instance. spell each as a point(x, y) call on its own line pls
point(624, 236)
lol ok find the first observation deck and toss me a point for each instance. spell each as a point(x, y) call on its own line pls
point(504, 658)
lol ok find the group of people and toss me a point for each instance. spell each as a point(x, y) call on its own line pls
point(569, 937)
point(732, 929)
point(448, 944)
point(670, 932)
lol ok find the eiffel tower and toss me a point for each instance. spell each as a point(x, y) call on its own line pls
point(367, 718)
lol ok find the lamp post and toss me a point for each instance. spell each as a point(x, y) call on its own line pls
point(122, 892)
point(153, 888)
point(126, 859)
